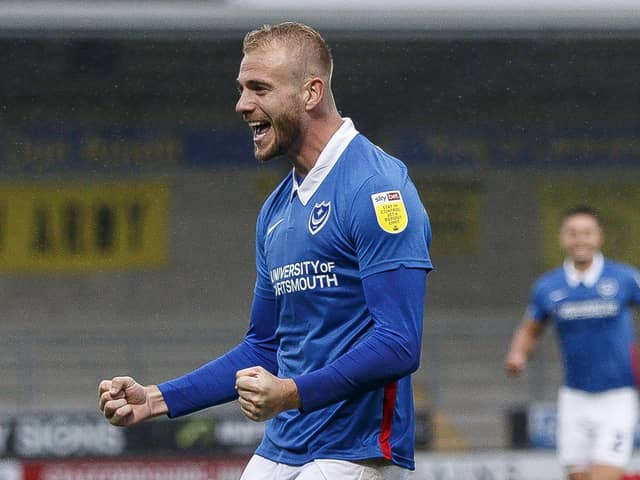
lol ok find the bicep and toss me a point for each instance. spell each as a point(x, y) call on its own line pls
point(396, 296)
point(263, 322)
point(395, 299)
point(263, 287)
point(537, 308)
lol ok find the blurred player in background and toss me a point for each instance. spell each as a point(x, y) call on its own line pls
point(342, 259)
point(588, 300)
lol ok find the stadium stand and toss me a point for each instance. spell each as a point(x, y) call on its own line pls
point(62, 332)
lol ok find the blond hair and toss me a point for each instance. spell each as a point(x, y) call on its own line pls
point(298, 37)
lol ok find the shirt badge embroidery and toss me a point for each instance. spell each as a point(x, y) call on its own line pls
point(319, 215)
point(390, 211)
point(607, 287)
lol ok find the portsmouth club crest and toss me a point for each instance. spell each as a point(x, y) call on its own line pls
point(607, 287)
point(319, 215)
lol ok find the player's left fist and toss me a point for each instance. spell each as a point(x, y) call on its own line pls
point(262, 395)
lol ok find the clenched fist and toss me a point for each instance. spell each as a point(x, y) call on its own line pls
point(262, 395)
point(124, 402)
point(515, 363)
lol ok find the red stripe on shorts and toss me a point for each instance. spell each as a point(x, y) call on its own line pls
point(388, 405)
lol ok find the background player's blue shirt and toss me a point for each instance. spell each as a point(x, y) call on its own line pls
point(594, 324)
point(355, 214)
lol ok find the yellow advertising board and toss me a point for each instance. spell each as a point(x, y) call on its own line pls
point(54, 227)
point(618, 204)
point(454, 206)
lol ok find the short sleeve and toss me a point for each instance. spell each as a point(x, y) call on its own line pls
point(389, 226)
point(536, 309)
point(263, 287)
point(635, 286)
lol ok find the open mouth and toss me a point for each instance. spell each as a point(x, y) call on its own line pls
point(260, 129)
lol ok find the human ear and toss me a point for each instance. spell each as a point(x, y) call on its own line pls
point(314, 93)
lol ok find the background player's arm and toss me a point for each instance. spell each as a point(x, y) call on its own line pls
point(523, 344)
point(635, 287)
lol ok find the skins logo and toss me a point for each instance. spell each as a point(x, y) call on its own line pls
point(319, 216)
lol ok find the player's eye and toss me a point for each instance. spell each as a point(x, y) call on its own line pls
point(260, 89)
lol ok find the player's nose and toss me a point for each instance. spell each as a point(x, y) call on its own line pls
point(243, 105)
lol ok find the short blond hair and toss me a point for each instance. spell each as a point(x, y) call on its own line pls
point(301, 38)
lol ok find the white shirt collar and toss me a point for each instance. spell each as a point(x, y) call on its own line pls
point(589, 277)
point(326, 160)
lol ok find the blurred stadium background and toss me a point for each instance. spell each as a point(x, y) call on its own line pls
point(128, 198)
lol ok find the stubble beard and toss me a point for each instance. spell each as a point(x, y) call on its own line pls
point(287, 134)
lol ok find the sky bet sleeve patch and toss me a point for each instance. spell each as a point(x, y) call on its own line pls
point(390, 211)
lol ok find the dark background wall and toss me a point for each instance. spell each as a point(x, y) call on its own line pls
point(492, 130)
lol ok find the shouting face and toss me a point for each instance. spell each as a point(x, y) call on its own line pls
point(271, 100)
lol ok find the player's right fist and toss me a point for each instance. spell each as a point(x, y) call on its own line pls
point(515, 362)
point(123, 401)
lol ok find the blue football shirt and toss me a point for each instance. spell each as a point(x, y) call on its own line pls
point(593, 320)
point(355, 214)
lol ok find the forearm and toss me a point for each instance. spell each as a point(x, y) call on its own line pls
point(372, 364)
point(213, 383)
point(525, 339)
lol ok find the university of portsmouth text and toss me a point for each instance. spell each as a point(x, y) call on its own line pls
point(302, 276)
